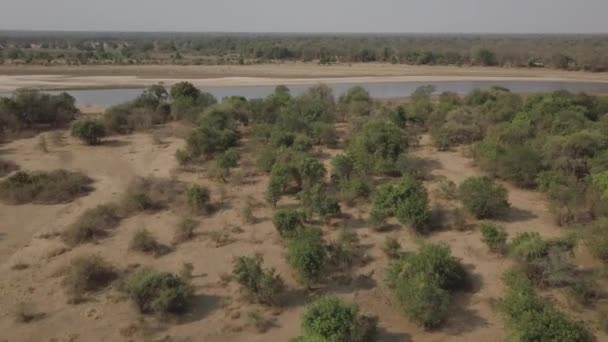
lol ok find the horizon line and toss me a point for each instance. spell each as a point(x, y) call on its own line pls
point(2, 30)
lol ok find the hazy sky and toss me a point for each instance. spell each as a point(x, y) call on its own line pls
point(513, 16)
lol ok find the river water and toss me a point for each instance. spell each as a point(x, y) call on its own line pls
point(109, 97)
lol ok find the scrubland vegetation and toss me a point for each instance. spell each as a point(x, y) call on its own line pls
point(575, 52)
point(347, 204)
point(59, 186)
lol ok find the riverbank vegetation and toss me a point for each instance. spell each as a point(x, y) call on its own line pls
point(336, 207)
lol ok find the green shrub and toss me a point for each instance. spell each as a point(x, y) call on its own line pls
point(281, 176)
point(343, 167)
point(89, 131)
point(158, 292)
point(288, 222)
point(483, 197)
point(422, 283)
point(316, 201)
point(310, 171)
point(407, 200)
point(265, 285)
point(30, 108)
point(53, 187)
point(87, 274)
point(521, 165)
point(531, 319)
point(423, 301)
point(596, 239)
point(528, 246)
point(494, 236)
point(217, 132)
point(307, 254)
point(353, 188)
point(331, 319)
point(302, 143)
point(324, 134)
point(228, 159)
point(198, 198)
point(92, 224)
point(452, 134)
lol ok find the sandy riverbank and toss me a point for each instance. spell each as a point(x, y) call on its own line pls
point(99, 77)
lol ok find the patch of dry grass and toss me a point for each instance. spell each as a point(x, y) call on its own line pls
point(53, 187)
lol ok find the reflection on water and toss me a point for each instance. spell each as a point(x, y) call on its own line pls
point(109, 97)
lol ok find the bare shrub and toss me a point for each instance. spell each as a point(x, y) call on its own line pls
point(53, 187)
point(93, 224)
point(88, 274)
point(143, 241)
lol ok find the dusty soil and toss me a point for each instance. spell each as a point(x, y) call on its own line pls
point(131, 76)
point(220, 312)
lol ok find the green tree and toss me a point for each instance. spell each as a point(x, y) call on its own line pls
point(184, 89)
point(407, 200)
point(288, 222)
point(89, 131)
point(158, 292)
point(486, 57)
point(422, 283)
point(265, 285)
point(307, 254)
point(332, 320)
point(377, 146)
point(198, 197)
point(483, 197)
point(494, 236)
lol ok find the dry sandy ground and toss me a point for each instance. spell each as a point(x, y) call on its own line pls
point(219, 312)
point(83, 77)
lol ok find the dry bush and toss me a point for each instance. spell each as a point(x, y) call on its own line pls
point(52, 187)
point(143, 194)
point(447, 190)
point(93, 224)
point(220, 238)
point(26, 313)
point(259, 322)
point(247, 213)
point(88, 274)
point(185, 230)
point(143, 241)
point(57, 138)
point(391, 247)
point(41, 144)
point(153, 194)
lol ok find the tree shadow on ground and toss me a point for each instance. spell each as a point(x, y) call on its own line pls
point(114, 143)
point(462, 318)
point(200, 307)
point(519, 215)
point(295, 298)
point(387, 336)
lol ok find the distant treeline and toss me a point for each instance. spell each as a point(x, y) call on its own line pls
point(569, 52)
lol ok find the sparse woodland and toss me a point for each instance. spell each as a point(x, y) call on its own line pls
point(567, 52)
point(345, 212)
